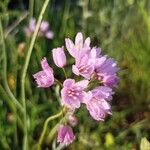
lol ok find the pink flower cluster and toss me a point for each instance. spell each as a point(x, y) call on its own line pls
point(44, 30)
point(97, 78)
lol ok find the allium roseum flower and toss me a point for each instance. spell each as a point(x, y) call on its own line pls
point(110, 80)
point(83, 67)
point(43, 31)
point(30, 29)
point(73, 93)
point(59, 57)
point(106, 72)
point(44, 26)
point(99, 76)
point(98, 108)
point(79, 47)
point(44, 78)
point(65, 135)
point(103, 92)
point(96, 103)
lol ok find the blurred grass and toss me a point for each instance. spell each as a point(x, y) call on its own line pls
point(122, 29)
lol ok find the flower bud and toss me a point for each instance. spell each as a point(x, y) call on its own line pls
point(73, 120)
point(59, 57)
point(65, 135)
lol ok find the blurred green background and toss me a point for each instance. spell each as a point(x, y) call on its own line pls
point(121, 28)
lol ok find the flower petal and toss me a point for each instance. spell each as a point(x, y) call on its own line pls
point(68, 82)
point(70, 47)
point(75, 70)
point(83, 83)
point(79, 41)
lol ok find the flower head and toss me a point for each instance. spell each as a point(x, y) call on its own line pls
point(103, 92)
point(72, 93)
point(49, 34)
point(44, 26)
point(79, 46)
point(59, 57)
point(106, 72)
point(44, 78)
point(83, 66)
point(65, 135)
point(110, 80)
point(43, 31)
point(30, 29)
point(98, 109)
point(96, 102)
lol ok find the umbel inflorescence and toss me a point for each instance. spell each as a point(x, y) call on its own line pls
point(94, 90)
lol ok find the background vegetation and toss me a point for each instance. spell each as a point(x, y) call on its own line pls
point(121, 28)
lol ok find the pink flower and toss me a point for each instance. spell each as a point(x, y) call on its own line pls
point(106, 72)
point(30, 29)
point(59, 57)
point(109, 66)
point(83, 66)
point(72, 93)
point(103, 92)
point(49, 34)
point(96, 102)
point(43, 31)
point(65, 135)
point(98, 109)
point(44, 78)
point(79, 46)
point(44, 26)
point(110, 80)
point(73, 120)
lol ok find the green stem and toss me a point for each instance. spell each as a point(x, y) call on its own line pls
point(15, 24)
point(31, 8)
point(10, 104)
point(45, 126)
point(18, 105)
point(64, 73)
point(25, 143)
point(57, 81)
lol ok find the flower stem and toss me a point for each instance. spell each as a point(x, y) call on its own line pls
point(31, 8)
point(26, 64)
point(64, 73)
point(45, 127)
point(57, 81)
point(15, 24)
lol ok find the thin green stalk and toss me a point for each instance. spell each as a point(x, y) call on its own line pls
point(15, 24)
point(57, 81)
point(45, 126)
point(64, 73)
point(31, 8)
point(10, 104)
point(18, 105)
point(26, 64)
